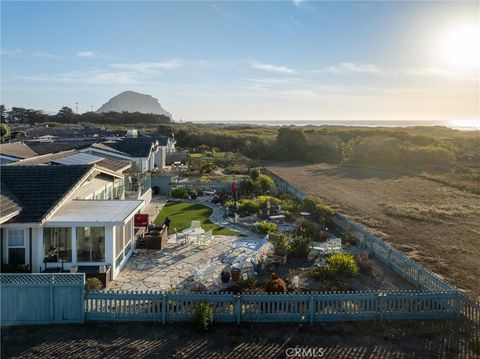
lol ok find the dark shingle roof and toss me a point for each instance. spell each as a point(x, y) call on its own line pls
point(17, 150)
point(9, 204)
point(162, 140)
point(39, 188)
point(134, 147)
point(43, 148)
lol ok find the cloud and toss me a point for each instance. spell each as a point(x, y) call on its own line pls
point(271, 68)
point(349, 67)
point(10, 52)
point(427, 71)
point(148, 67)
point(298, 3)
point(93, 77)
point(86, 54)
point(47, 55)
point(363, 68)
point(269, 81)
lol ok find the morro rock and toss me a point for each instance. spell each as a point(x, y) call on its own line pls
point(130, 101)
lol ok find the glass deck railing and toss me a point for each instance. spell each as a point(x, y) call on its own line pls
point(137, 184)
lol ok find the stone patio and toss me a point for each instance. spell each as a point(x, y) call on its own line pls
point(172, 267)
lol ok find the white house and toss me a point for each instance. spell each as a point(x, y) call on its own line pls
point(145, 153)
point(65, 216)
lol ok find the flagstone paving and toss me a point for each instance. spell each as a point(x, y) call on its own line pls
point(172, 267)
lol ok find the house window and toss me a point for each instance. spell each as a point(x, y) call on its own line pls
point(128, 236)
point(91, 244)
point(16, 246)
point(58, 244)
point(118, 244)
point(123, 241)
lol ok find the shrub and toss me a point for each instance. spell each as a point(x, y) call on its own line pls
point(339, 265)
point(300, 247)
point(317, 207)
point(249, 283)
point(343, 265)
point(208, 167)
point(203, 316)
point(248, 206)
point(179, 192)
point(93, 284)
point(276, 285)
point(266, 227)
point(280, 243)
point(310, 229)
point(365, 263)
point(264, 184)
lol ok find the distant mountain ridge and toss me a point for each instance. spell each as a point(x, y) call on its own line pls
point(131, 101)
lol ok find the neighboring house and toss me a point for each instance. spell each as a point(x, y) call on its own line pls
point(145, 153)
point(73, 157)
point(15, 151)
point(65, 216)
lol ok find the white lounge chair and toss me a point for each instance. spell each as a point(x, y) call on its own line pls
point(253, 246)
point(203, 275)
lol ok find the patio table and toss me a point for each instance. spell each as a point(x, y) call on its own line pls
point(193, 232)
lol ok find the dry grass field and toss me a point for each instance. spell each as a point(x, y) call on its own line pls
point(435, 224)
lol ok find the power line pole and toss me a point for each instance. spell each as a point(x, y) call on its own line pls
point(76, 107)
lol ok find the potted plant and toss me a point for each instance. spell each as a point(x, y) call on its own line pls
point(225, 276)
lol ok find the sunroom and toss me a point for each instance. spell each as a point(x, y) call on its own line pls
point(89, 235)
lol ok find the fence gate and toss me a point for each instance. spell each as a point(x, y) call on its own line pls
point(42, 298)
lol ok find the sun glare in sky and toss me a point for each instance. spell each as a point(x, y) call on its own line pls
point(461, 47)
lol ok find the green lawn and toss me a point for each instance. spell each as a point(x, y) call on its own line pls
point(182, 214)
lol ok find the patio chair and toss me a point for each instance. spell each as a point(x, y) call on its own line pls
point(177, 238)
point(205, 239)
point(203, 275)
point(195, 224)
point(334, 245)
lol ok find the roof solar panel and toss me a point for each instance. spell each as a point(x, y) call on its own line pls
point(78, 159)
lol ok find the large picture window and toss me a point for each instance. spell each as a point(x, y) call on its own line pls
point(91, 244)
point(58, 244)
point(16, 246)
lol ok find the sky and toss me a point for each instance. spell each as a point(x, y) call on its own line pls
point(247, 61)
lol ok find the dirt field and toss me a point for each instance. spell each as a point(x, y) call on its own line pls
point(428, 339)
point(435, 224)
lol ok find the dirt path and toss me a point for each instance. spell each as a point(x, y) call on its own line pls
point(445, 236)
point(430, 339)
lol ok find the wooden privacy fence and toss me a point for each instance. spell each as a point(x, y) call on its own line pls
point(406, 267)
point(308, 307)
point(42, 298)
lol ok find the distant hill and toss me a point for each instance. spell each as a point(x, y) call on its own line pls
point(130, 101)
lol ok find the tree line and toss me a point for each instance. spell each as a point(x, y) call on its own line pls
point(20, 115)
